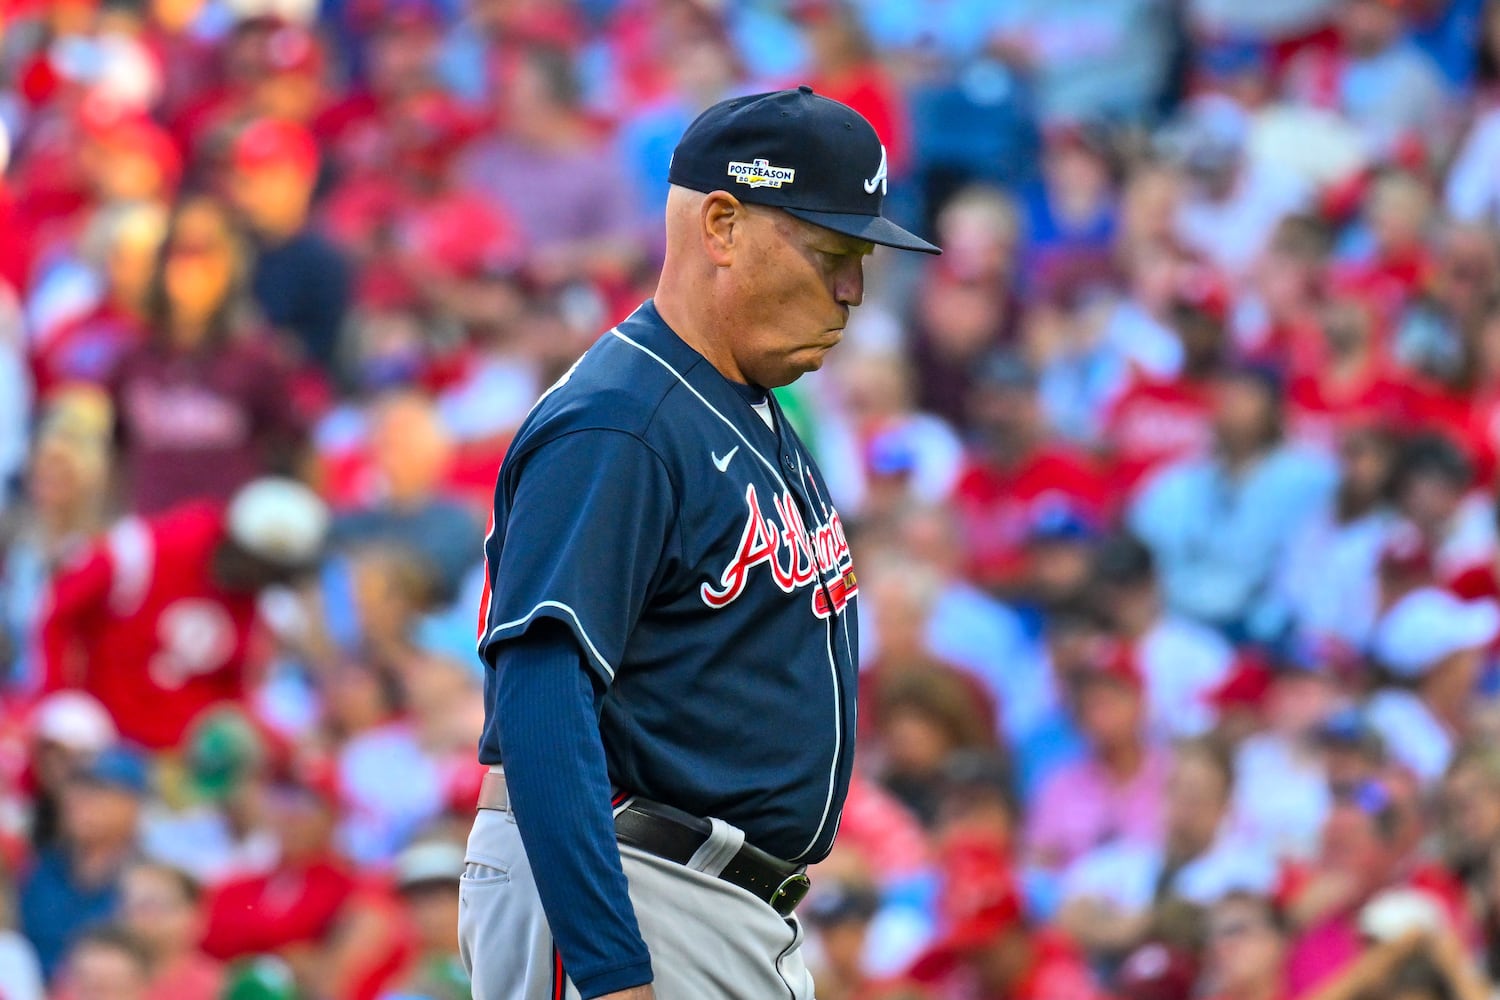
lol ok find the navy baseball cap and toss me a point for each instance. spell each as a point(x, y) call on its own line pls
point(810, 156)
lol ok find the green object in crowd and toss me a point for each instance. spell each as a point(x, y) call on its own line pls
point(222, 749)
point(264, 977)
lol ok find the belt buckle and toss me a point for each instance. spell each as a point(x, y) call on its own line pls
point(792, 890)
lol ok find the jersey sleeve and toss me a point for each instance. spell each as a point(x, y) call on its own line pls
point(583, 526)
point(75, 597)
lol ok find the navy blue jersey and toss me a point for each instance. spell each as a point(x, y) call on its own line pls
point(694, 554)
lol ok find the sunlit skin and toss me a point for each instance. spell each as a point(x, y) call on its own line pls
point(762, 295)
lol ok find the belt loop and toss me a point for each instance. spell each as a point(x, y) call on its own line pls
point(723, 843)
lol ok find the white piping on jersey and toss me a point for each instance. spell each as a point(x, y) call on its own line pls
point(131, 555)
point(489, 584)
point(838, 707)
point(577, 623)
point(712, 409)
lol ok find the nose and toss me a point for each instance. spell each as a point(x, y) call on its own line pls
point(849, 282)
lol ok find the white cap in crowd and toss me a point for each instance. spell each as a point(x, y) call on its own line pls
point(278, 520)
point(74, 720)
point(1428, 625)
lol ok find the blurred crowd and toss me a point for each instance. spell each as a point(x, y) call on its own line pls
point(1172, 483)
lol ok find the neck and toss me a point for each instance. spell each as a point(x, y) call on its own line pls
point(1122, 761)
point(698, 327)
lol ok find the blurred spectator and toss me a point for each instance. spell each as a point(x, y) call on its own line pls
point(106, 963)
point(546, 170)
point(159, 906)
point(966, 307)
point(1431, 646)
point(77, 882)
point(123, 242)
point(390, 787)
point(925, 717)
point(1281, 794)
point(1433, 486)
point(299, 281)
point(63, 508)
point(1328, 581)
point(1471, 813)
point(202, 408)
point(1350, 379)
point(1217, 525)
point(1156, 419)
point(1276, 319)
point(1118, 791)
point(173, 599)
point(987, 948)
point(1182, 661)
point(221, 827)
point(413, 453)
point(294, 907)
point(1247, 946)
point(1013, 468)
point(426, 875)
point(1089, 60)
point(1440, 332)
point(1233, 201)
point(1110, 893)
point(1374, 76)
point(67, 729)
point(1070, 215)
point(840, 914)
point(883, 453)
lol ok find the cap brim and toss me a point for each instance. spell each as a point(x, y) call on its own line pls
point(875, 228)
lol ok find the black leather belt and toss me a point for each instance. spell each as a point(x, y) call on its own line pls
point(676, 836)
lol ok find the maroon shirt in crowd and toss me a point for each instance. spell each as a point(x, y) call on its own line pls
point(200, 424)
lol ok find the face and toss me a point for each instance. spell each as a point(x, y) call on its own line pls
point(200, 265)
point(433, 907)
point(105, 972)
point(1196, 798)
point(1429, 500)
point(303, 821)
point(1352, 845)
point(793, 285)
point(269, 195)
point(1244, 947)
point(915, 743)
point(1365, 463)
point(95, 814)
point(1242, 414)
point(1472, 805)
point(1109, 713)
point(1367, 26)
point(155, 908)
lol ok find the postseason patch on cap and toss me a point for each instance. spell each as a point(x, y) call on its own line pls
point(759, 173)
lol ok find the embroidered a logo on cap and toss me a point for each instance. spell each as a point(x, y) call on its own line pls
point(759, 173)
point(879, 179)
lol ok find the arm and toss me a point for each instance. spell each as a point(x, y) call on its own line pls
point(76, 595)
point(1369, 970)
point(547, 706)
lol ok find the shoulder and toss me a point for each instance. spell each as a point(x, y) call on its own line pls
point(617, 385)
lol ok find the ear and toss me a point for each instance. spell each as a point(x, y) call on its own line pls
point(723, 218)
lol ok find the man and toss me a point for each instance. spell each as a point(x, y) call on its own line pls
point(670, 628)
point(1217, 525)
point(156, 620)
point(301, 281)
point(988, 949)
point(1117, 792)
point(1112, 894)
point(77, 882)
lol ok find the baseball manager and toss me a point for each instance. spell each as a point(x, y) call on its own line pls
point(669, 626)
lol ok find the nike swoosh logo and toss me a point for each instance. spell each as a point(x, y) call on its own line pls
point(722, 464)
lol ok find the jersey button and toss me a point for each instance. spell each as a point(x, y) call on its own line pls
point(789, 462)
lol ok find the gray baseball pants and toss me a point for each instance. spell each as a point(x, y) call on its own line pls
point(709, 940)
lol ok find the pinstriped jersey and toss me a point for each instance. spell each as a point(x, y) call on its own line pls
point(691, 548)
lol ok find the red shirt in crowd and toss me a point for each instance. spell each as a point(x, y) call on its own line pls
point(140, 623)
point(1320, 411)
point(1155, 422)
point(998, 506)
point(200, 425)
point(1059, 973)
point(85, 349)
point(284, 907)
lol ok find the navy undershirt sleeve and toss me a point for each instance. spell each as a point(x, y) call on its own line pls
point(547, 709)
